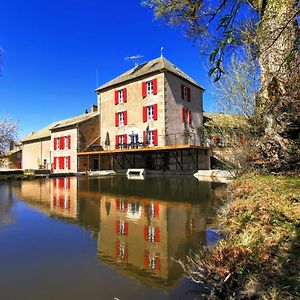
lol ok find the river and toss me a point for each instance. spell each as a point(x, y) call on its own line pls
point(101, 238)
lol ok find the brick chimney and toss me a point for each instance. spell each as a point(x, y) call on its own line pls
point(94, 108)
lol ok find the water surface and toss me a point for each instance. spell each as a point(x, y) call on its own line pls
point(92, 238)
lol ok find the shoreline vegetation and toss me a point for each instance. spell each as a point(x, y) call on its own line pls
point(258, 258)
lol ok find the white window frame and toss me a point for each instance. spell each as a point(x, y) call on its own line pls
point(57, 143)
point(151, 234)
point(149, 87)
point(150, 112)
point(66, 142)
point(121, 95)
point(151, 137)
point(121, 116)
point(121, 139)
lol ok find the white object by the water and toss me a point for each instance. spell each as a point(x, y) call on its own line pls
point(214, 175)
point(101, 173)
point(137, 172)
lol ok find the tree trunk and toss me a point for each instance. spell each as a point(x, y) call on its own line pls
point(278, 104)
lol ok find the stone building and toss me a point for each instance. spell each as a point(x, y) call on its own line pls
point(153, 104)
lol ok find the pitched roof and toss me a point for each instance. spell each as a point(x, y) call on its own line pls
point(46, 131)
point(155, 65)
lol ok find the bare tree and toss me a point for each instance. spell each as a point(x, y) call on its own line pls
point(8, 133)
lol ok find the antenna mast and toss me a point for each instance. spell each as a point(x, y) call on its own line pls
point(134, 58)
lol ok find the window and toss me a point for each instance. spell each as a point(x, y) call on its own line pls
point(121, 139)
point(121, 95)
point(151, 137)
point(150, 112)
point(185, 93)
point(151, 234)
point(186, 116)
point(121, 118)
point(66, 163)
point(149, 86)
point(66, 142)
point(57, 143)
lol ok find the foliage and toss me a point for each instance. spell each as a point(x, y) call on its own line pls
point(259, 257)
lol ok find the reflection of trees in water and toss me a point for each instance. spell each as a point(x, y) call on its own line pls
point(6, 205)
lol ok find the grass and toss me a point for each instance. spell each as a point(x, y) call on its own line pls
point(259, 256)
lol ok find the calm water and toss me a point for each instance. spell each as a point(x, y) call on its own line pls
point(92, 238)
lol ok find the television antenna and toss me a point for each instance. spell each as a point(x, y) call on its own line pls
point(134, 58)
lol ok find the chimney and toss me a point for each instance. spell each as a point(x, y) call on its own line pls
point(94, 108)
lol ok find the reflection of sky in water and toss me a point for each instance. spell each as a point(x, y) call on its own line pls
point(89, 238)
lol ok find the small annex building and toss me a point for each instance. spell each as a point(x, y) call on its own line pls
point(55, 147)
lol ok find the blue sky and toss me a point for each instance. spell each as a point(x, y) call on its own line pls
point(53, 49)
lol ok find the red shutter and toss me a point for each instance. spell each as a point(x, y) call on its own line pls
point(69, 183)
point(61, 162)
point(125, 95)
point(125, 138)
point(183, 115)
point(54, 163)
point(154, 86)
point(157, 235)
point(189, 94)
point(125, 117)
point(69, 162)
point(116, 97)
point(117, 142)
point(156, 209)
point(61, 142)
point(144, 137)
point(126, 229)
point(69, 142)
point(55, 143)
point(144, 114)
point(117, 119)
point(182, 92)
point(155, 111)
point(146, 230)
point(155, 137)
point(190, 117)
point(144, 89)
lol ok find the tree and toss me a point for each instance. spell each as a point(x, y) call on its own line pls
point(8, 133)
point(270, 28)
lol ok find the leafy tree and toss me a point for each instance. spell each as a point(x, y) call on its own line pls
point(269, 28)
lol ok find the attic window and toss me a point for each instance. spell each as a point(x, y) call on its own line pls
point(138, 68)
point(156, 63)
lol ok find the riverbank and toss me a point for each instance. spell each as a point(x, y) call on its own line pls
point(259, 255)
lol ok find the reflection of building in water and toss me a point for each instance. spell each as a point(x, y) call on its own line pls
point(64, 197)
point(56, 196)
point(142, 236)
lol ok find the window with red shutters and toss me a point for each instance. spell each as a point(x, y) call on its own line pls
point(155, 142)
point(61, 142)
point(125, 117)
point(55, 143)
point(61, 162)
point(154, 86)
point(144, 89)
point(54, 163)
point(155, 111)
point(116, 97)
point(117, 119)
point(145, 114)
